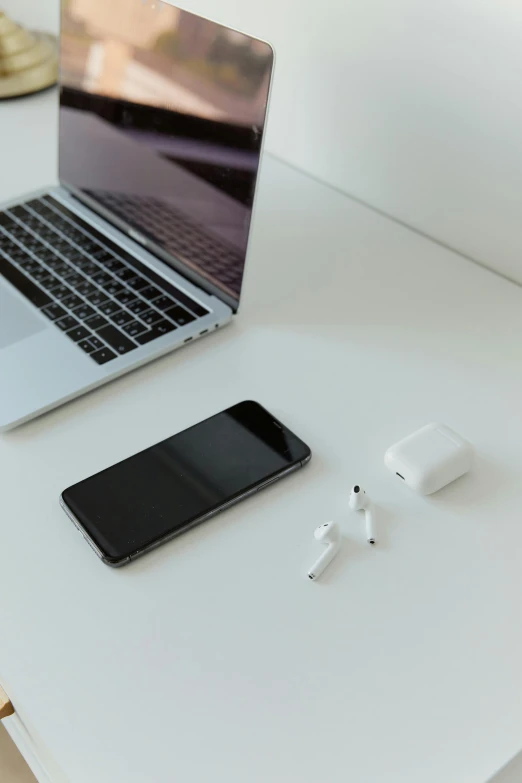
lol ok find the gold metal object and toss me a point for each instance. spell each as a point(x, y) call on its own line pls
point(6, 708)
point(28, 61)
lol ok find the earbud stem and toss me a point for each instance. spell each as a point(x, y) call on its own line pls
point(325, 559)
point(370, 525)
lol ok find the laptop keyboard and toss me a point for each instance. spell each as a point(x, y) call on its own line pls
point(100, 296)
point(179, 234)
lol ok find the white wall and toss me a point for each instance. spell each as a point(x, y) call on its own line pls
point(412, 106)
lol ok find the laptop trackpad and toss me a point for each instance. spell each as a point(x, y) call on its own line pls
point(17, 320)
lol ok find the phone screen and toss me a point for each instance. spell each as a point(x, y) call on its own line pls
point(165, 488)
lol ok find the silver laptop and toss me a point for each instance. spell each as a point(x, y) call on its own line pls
point(141, 249)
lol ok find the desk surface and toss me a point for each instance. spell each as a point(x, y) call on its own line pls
point(215, 658)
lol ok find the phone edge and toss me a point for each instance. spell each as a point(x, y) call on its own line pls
point(78, 525)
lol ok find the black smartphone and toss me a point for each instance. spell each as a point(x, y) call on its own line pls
point(138, 504)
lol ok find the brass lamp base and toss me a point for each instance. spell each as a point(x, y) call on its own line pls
point(28, 61)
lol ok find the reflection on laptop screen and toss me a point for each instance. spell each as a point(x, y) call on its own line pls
point(161, 120)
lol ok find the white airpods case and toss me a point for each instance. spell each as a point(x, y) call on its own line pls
point(430, 458)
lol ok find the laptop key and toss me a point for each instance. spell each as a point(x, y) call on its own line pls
point(113, 288)
point(121, 318)
point(45, 254)
point(66, 323)
point(86, 288)
point(150, 293)
point(158, 330)
point(116, 339)
point(26, 262)
point(5, 220)
point(109, 308)
point(96, 322)
point(17, 252)
point(102, 256)
point(164, 302)
point(44, 232)
point(88, 246)
point(61, 291)
point(134, 328)
point(51, 261)
point(73, 235)
point(13, 227)
point(74, 278)
point(96, 342)
point(126, 296)
point(21, 236)
point(86, 345)
point(18, 211)
point(62, 269)
point(102, 278)
point(103, 355)
point(37, 205)
point(98, 298)
point(85, 265)
point(53, 311)
point(84, 311)
point(78, 333)
point(23, 284)
point(70, 252)
point(125, 274)
point(180, 316)
point(14, 253)
point(137, 283)
point(113, 264)
point(72, 301)
point(139, 306)
point(41, 273)
point(151, 317)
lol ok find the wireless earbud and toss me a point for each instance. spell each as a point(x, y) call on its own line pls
point(359, 501)
point(328, 534)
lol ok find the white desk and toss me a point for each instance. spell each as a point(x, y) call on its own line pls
point(214, 659)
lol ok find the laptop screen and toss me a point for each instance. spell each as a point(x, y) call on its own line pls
point(161, 122)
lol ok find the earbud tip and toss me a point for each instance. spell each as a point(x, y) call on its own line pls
point(371, 540)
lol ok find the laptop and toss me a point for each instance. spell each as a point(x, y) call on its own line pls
point(141, 248)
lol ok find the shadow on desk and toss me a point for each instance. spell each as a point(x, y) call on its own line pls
point(485, 481)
